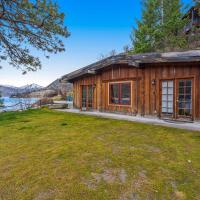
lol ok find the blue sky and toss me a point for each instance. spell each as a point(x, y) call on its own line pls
point(96, 27)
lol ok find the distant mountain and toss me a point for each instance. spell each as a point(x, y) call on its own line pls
point(7, 90)
point(56, 88)
point(33, 90)
point(30, 88)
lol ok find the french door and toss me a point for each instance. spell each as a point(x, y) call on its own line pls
point(177, 98)
point(184, 98)
point(167, 102)
point(87, 97)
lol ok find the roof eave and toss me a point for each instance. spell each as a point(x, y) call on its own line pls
point(137, 60)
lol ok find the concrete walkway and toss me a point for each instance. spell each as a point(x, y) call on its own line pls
point(182, 125)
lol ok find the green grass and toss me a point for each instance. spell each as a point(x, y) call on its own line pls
point(51, 155)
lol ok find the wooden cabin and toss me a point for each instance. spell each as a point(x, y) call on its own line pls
point(163, 85)
point(193, 16)
point(192, 27)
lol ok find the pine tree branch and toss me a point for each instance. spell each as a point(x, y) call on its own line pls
point(37, 23)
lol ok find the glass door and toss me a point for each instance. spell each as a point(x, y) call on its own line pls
point(167, 97)
point(84, 97)
point(90, 96)
point(87, 97)
point(184, 98)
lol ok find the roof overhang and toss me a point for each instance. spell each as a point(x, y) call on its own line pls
point(135, 60)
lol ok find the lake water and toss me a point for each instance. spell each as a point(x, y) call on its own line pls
point(13, 104)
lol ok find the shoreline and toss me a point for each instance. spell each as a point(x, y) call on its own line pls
point(16, 104)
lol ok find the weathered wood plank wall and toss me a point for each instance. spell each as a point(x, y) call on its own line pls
point(146, 96)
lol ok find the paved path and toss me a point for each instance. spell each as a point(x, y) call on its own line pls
point(182, 125)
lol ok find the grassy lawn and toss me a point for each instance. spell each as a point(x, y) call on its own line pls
point(51, 155)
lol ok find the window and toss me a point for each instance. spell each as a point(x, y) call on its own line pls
point(114, 93)
point(167, 97)
point(125, 93)
point(120, 93)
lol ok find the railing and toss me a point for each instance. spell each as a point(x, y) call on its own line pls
point(26, 105)
point(19, 106)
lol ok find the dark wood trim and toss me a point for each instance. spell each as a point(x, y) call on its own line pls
point(119, 83)
point(121, 80)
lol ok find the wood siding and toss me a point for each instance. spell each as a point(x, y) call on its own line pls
point(145, 87)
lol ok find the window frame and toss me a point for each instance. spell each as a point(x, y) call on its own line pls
point(119, 84)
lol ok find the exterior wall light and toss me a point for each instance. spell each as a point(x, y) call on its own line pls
point(153, 82)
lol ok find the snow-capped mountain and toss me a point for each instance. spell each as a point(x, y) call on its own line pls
point(7, 90)
point(31, 87)
point(34, 90)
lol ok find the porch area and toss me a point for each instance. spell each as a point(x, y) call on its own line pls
point(193, 126)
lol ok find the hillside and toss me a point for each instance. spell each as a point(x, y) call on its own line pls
point(57, 85)
point(54, 89)
point(7, 90)
point(34, 90)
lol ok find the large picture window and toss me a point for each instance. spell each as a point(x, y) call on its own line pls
point(120, 93)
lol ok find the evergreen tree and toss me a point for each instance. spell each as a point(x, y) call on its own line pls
point(172, 26)
point(145, 36)
point(161, 27)
point(197, 2)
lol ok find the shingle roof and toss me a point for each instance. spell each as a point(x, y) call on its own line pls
point(136, 60)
